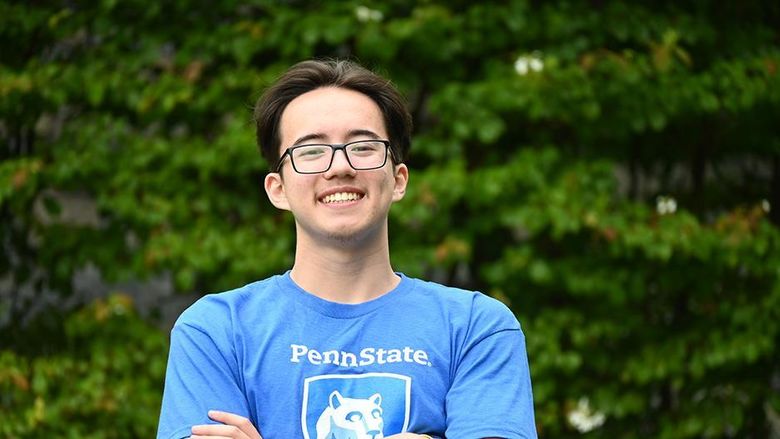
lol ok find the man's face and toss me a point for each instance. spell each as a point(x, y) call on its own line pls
point(340, 204)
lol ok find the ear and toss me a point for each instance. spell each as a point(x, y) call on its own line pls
point(336, 399)
point(274, 188)
point(376, 399)
point(401, 174)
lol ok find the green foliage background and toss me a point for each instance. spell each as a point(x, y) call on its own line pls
point(610, 170)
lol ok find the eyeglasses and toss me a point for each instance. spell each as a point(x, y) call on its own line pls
point(362, 155)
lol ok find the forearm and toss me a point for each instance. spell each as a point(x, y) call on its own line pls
point(409, 436)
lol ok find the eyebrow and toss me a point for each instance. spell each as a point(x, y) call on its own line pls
point(350, 134)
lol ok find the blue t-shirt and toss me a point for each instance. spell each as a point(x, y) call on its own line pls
point(422, 358)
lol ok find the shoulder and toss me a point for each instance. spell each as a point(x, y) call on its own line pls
point(474, 308)
point(218, 308)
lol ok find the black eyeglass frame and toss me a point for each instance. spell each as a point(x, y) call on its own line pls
point(333, 147)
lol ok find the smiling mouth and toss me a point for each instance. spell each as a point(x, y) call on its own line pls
point(341, 197)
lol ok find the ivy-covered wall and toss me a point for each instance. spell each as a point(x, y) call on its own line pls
point(609, 169)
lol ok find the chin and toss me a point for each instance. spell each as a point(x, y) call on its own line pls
point(343, 238)
point(352, 235)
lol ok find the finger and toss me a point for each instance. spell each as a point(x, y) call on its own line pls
point(217, 430)
point(243, 424)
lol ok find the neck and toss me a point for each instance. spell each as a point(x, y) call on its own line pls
point(344, 272)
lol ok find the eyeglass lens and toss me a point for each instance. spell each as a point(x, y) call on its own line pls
point(361, 155)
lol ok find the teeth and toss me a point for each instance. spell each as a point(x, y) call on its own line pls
point(340, 197)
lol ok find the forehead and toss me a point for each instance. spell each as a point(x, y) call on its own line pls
point(329, 114)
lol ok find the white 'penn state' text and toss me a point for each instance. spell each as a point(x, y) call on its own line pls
point(366, 356)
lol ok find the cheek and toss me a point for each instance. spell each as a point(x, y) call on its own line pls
point(387, 182)
point(299, 189)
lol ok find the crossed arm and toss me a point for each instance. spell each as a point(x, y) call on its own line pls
point(238, 427)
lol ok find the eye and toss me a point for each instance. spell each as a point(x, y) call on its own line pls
point(310, 152)
point(354, 416)
point(365, 147)
point(376, 413)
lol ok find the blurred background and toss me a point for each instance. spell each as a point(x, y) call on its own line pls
point(610, 170)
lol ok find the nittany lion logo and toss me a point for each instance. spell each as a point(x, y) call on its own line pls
point(350, 418)
point(359, 406)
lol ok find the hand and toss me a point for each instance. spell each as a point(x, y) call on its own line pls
point(406, 436)
point(233, 426)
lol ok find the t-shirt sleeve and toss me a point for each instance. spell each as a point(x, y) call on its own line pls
point(202, 375)
point(490, 394)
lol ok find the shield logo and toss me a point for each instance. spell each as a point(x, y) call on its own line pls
point(361, 406)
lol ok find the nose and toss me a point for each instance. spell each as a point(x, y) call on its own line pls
point(374, 433)
point(340, 165)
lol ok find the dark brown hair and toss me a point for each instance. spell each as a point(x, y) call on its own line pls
point(310, 75)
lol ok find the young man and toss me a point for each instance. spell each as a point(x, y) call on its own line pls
point(341, 346)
